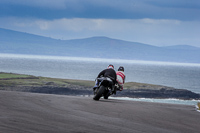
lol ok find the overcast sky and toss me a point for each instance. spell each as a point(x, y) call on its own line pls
point(154, 22)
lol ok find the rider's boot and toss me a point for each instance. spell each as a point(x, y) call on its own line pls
point(96, 85)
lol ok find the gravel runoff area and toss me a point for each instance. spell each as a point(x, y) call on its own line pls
point(22, 112)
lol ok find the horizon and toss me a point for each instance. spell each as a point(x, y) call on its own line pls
point(90, 59)
point(16, 43)
point(157, 23)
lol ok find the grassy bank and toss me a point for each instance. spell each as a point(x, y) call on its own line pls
point(12, 79)
point(29, 83)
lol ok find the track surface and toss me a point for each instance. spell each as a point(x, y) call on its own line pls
point(43, 113)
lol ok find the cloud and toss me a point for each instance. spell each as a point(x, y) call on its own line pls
point(36, 3)
point(102, 9)
point(82, 24)
point(190, 4)
point(151, 31)
point(156, 22)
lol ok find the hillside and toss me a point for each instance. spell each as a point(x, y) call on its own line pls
point(97, 47)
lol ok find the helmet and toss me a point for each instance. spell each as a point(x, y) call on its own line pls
point(121, 68)
point(110, 66)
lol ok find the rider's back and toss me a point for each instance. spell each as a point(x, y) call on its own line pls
point(108, 73)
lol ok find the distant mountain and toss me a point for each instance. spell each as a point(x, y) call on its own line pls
point(183, 47)
point(97, 47)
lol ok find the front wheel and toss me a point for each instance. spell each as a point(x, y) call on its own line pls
point(99, 93)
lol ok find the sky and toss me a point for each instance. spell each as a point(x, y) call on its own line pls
point(154, 22)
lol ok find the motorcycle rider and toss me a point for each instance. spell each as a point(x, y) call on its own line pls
point(109, 72)
point(120, 77)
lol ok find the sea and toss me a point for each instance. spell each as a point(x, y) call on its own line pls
point(177, 75)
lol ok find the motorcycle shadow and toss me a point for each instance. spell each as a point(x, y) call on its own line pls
point(109, 100)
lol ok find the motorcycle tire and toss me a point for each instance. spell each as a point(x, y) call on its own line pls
point(106, 95)
point(99, 93)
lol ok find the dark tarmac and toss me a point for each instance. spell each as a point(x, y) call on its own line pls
point(22, 112)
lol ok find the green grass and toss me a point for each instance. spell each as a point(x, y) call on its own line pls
point(12, 75)
point(135, 85)
point(11, 79)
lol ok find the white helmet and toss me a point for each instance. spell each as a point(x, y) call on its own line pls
point(110, 66)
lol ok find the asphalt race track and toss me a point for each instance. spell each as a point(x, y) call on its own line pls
point(22, 112)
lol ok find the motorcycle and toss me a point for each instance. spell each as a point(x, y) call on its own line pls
point(105, 88)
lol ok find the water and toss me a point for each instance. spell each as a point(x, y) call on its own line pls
point(178, 75)
point(169, 101)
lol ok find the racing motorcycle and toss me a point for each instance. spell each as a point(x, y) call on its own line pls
point(105, 88)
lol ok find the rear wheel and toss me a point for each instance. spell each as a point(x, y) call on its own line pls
point(99, 93)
